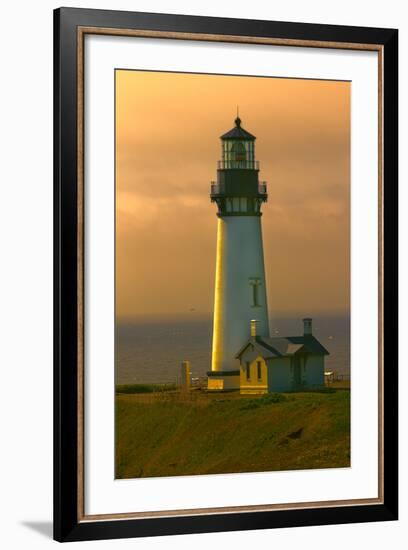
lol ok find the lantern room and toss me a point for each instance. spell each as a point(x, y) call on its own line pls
point(238, 149)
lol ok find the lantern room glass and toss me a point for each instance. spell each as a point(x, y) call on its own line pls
point(238, 153)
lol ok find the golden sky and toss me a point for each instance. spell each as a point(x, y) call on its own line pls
point(167, 146)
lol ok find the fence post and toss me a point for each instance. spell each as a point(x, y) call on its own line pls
point(185, 376)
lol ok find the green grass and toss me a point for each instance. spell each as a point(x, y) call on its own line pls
point(144, 388)
point(164, 434)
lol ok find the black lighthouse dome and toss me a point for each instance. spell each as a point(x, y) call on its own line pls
point(238, 132)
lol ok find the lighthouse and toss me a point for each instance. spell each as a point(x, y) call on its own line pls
point(240, 300)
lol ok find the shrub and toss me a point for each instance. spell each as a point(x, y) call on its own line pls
point(267, 399)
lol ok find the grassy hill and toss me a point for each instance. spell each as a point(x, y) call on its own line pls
point(168, 433)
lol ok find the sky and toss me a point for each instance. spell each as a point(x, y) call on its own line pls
point(167, 146)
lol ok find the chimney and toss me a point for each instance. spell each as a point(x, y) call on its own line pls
point(307, 326)
point(253, 327)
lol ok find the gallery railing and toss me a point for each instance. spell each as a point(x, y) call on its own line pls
point(238, 164)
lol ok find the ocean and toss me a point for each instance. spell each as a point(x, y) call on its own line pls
point(150, 350)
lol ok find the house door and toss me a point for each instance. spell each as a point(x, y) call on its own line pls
point(297, 371)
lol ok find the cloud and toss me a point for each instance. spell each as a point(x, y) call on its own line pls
point(167, 147)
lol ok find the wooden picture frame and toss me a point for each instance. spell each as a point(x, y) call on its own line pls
point(71, 25)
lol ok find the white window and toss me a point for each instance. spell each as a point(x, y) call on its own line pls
point(255, 283)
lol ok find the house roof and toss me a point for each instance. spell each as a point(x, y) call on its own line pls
point(284, 346)
point(267, 353)
point(238, 132)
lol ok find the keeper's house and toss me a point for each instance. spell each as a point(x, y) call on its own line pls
point(281, 364)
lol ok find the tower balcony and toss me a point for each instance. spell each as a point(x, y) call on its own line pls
point(220, 189)
point(262, 188)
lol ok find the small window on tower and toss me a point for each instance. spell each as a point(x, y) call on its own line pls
point(255, 283)
point(248, 370)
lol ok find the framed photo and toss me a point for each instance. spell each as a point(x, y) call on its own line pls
point(225, 346)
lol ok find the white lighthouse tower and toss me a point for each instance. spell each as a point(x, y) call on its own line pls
point(240, 286)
